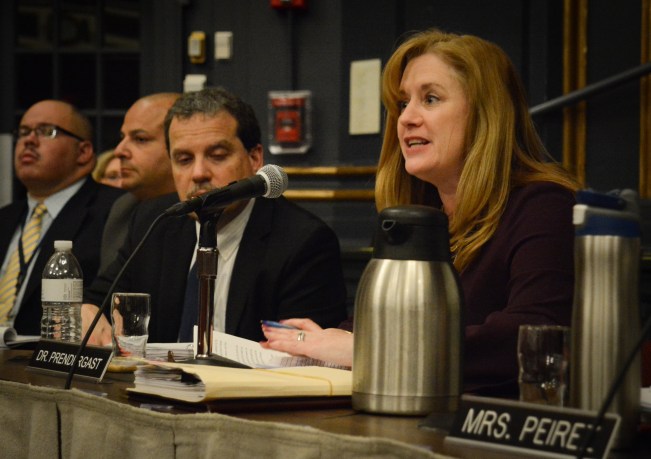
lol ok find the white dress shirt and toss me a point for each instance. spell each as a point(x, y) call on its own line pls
point(228, 243)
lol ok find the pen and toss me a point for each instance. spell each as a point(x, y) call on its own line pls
point(273, 323)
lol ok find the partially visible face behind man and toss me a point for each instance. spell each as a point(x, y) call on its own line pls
point(206, 154)
point(144, 162)
point(112, 175)
point(47, 165)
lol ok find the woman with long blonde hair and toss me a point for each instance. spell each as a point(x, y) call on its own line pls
point(458, 136)
point(502, 149)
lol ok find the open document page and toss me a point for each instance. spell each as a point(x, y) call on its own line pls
point(241, 350)
point(197, 383)
point(10, 339)
point(250, 353)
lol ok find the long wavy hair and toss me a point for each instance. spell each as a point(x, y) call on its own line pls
point(502, 148)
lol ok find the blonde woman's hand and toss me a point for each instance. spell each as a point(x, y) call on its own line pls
point(309, 340)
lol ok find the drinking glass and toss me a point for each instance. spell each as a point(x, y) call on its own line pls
point(543, 358)
point(130, 313)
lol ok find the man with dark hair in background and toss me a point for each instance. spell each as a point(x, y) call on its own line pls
point(276, 260)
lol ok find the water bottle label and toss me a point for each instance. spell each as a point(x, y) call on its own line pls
point(62, 290)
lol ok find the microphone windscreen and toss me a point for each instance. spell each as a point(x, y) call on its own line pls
point(276, 178)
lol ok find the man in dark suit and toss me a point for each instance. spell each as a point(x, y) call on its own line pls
point(276, 260)
point(144, 165)
point(53, 158)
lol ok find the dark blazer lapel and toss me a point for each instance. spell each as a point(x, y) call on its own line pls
point(247, 264)
point(71, 217)
point(10, 219)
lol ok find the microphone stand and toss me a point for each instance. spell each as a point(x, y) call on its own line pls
point(207, 259)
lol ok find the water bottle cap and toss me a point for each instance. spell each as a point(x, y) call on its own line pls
point(63, 245)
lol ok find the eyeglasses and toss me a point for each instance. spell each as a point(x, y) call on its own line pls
point(49, 131)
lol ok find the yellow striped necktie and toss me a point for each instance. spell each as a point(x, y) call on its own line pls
point(9, 282)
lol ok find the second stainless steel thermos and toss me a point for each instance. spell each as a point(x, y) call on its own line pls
point(606, 314)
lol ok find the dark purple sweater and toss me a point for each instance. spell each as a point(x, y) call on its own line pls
point(523, 275)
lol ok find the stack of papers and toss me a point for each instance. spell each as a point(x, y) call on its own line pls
point(198, 383)
point(270, 373)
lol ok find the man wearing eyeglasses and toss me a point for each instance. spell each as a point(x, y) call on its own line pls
point(53, 159)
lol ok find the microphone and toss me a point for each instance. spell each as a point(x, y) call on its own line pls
point(269, 182)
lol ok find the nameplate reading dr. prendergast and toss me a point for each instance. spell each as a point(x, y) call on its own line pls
point(57, 357)
point(508, 426)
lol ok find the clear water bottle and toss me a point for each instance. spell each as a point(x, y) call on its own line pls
point(61, 295)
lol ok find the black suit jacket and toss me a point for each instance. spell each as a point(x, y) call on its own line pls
point(117, 227)
point(81, 221)
point(288, 265)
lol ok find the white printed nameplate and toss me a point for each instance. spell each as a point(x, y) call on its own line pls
point(527, 429)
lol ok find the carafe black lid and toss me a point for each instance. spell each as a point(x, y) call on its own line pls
point(412, 233)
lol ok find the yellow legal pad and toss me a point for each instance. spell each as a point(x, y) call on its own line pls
point(198, 383)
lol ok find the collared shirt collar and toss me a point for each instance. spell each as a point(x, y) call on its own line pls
point(230, 235)
point(54, 203)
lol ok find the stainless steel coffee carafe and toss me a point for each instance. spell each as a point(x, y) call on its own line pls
point(408, 330)
point(606, 311)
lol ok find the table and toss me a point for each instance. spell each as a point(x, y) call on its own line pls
point(101, 415)
point(336, 421)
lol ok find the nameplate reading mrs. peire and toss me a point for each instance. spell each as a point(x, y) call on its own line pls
point(509, 426)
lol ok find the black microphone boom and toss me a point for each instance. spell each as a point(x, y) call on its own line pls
point(269, 182)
